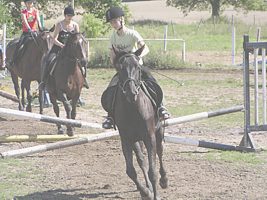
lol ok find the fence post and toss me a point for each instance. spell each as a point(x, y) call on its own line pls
point(165, 37)
point(233, 41)
point(4, 44)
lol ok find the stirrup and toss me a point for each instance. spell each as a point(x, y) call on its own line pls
point(163, 113)
point(108, 123)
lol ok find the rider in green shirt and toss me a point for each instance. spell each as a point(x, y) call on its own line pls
point(127, 40)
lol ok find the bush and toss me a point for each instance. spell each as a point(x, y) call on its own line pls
point(92, 26)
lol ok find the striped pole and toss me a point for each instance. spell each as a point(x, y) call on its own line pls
point(57, 145)
point(205, 144)
point(202, 115)
point(48, 119)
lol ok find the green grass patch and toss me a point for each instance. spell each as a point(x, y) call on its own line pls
point(18, 177)
point(237, 157)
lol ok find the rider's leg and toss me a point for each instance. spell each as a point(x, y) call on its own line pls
point(17, 49)
point(163, 112)
point(45, 69)
point(108, 123)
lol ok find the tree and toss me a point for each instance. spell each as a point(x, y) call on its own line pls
point(97, 8)
point(216, 6)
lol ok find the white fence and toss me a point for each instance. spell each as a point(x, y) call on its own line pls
point(165, 40)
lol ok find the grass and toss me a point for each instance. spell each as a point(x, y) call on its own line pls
point(238, 158)
point(13, 174)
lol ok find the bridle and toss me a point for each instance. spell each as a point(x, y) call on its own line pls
point(137, 82)
point(39, 47)
point(74, 58)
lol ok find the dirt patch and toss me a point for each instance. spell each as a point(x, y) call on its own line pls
point(97, 170)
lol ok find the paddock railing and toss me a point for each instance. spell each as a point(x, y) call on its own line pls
point(255, 100)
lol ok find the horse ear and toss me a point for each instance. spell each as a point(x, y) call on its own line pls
point(52, 29)
point(139, 51)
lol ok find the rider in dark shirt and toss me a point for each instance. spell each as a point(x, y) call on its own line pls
point(62, 31)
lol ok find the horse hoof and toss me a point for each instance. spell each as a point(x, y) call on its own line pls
point(163, 182)
point(147, 195)
point(60, 131)
point(28, 109)
point(70, 132)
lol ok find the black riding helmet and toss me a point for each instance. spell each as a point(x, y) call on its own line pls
point(28, 0)
point(113, 13)
point(69, 11)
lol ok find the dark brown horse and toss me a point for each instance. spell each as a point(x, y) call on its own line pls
point(67, 79)
point(138, 124)
point(28, 66)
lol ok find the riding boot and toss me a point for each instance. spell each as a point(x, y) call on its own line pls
point(44, 77)
point(17, 52)
point(108, 123)
point(163, 112)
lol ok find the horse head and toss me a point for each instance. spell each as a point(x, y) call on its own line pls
point(129, 70)
point(75, 48)
point(44, 40)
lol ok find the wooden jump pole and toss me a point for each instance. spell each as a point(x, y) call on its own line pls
point(9, 96)
point(48, 119)
point(57, 145)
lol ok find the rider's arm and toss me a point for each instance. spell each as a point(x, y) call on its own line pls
point(39, 21)
point(112, 55)
point(145, 50)
point(56, 33)
point(24, 20)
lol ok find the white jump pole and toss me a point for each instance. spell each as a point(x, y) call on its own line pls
point(57, 145)
point(48, 119)
point(202, 115)
point(205, 144)
point(83, 124)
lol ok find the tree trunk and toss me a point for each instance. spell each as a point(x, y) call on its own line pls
point(215, 4)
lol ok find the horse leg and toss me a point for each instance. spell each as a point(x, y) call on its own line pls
point(150, 144)
point(17, 89)
point(130, 170)
point(163, 179)
point(40, 99)
point(22, 93)
point(138, 149)
point(29, 96)
point(67, 107)
point(56, 111)
point(74, 106)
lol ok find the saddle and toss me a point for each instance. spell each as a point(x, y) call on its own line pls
point(150, 88)
point(21, 45)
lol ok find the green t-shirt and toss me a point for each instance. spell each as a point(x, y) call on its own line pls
point(127, 41)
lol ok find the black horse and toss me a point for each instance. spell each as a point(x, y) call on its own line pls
point(138, 123)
